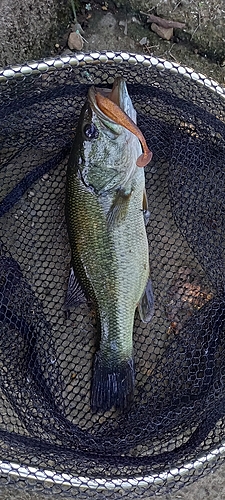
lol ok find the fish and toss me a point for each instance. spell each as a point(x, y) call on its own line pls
point(106, 214)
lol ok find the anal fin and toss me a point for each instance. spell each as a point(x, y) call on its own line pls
point(75, 294)
point(146, 304)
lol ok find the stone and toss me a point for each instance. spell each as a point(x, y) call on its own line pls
point(75, 41)
point(165, 33)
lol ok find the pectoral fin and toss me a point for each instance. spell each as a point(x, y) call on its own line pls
point(146, 304)
point(75, 295)
point(119, 207)
point(146, 212)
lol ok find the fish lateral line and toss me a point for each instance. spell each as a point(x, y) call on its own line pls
point(113, 111)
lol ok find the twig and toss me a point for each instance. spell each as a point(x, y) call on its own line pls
point(74, 10)
point(171, 55)
point(146, 13)
point(165, 23)
point(148, 47)
point(177, 5)
point(197, 27)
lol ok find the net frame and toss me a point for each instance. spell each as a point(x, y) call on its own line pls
point(107, 57)
point(51, 477)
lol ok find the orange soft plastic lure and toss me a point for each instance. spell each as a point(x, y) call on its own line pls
point(110, 109)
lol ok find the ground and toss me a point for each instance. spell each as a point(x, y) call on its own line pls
point(200, 43)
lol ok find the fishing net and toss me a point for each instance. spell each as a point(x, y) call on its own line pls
point(174, 431)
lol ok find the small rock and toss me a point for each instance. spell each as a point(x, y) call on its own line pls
point(45, 177)
point(124, 23)
point(143, 41)
point(75, 41)
point(135, 20)
point(105, 6)
point(165, 33)
point(108, 22)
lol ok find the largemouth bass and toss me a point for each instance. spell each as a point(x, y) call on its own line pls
point(106, 206)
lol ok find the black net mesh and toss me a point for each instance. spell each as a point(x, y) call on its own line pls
point(49, 437)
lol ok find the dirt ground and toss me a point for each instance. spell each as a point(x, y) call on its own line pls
point(119, 25)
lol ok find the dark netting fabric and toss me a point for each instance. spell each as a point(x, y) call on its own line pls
point(48, 436)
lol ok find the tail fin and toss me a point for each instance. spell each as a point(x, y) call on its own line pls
point(112, 384)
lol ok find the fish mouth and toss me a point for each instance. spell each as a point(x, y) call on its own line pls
point(114, 108)
point(118, 95)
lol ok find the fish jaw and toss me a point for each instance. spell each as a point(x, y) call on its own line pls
point(119, 95)
point(108, 161)
point(117, 106)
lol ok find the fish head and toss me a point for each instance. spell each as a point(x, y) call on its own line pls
point(108, 151)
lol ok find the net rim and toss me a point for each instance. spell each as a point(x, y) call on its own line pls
point(52, 477)
point(106, 57)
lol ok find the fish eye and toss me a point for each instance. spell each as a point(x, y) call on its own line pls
point(90, 131)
